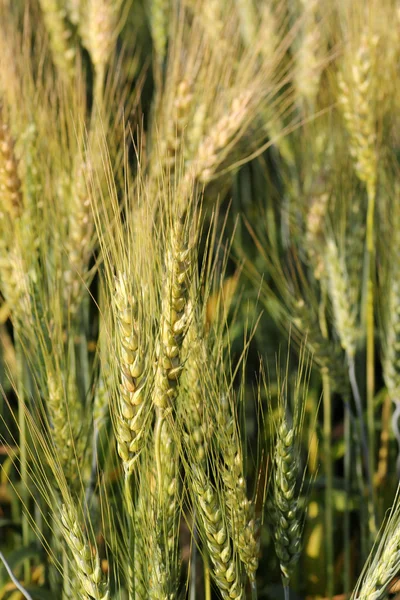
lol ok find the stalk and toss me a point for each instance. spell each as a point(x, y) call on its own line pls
point(23, 458)
point(346, 521)
point(371, 189)
point(329, 481)
point(254, 595)
point(207, 579)
point(14, 579)
point(364, 445)
point(327, 427)
point(193, 559)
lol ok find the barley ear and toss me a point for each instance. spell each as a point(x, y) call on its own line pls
point(134, 411)
point(62, 37)
point(87, 559)
point(10, 183)
point(227, 571)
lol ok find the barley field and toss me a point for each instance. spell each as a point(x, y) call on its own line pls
point(199, 299)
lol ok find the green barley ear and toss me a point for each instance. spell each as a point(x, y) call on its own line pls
point(80, 239)
point(242, 520)
point(345, 312)
point(160, 11)
point(90, 576)
point(288, 513)
point(227, 569)
point(384, 562)
point(193, 405)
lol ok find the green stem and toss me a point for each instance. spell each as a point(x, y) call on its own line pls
point(131, 534)
point(286, 591)
point(207, 580)
point(329, 481)
point(370, 367)
point(346, 518)
point(365, 449)
point(66, 591)
point(193, 561)
point(13, 578)
point(253, 585)
point(23, 457)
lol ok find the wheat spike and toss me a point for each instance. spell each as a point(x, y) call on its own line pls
point(174, 318)
point(286, 512)
point(345, 313)
point(159, 15)
point(243, 524)
point(79, 243)
point(226, 566)
point(356, 98)
point(134, 411)
point(10, 183)
point(62, 36)
point(100, 35)
point(66, 424)
point(87, 560)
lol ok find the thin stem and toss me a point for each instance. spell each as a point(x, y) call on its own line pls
point(13, 578)
point(364, 443)
point(254, 594)
point(193, 560)
point(131, 535)
point(66, 591)
point(347, 480)
point(329, 482)
point(207, 580)
point(370, 367)
point(286, 592)
point(23, 457)
point(99, 86)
